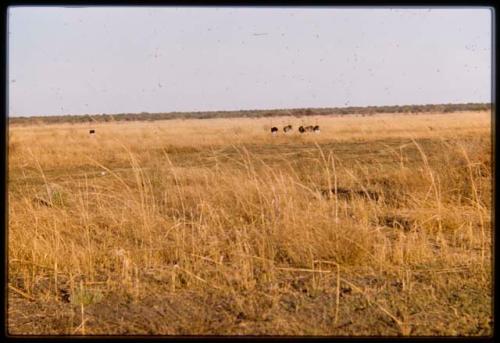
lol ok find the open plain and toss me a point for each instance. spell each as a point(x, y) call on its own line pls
point(377, 225)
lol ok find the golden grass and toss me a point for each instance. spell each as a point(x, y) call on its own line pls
point(216, 227)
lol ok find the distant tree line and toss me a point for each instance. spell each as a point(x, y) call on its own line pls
point(299, 112)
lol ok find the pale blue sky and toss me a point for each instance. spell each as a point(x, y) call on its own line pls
point(93, 60)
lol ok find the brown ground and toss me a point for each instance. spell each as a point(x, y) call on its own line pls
point(376, 226)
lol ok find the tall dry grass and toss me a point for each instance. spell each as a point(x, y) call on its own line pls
point(214, 226)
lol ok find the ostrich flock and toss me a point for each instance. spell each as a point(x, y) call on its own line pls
point(302, 129)
point(274, 129)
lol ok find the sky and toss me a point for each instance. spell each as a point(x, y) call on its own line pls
point(94, 60)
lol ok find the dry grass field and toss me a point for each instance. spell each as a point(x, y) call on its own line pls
point(378, 225)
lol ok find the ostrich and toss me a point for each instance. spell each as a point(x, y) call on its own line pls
point(301, 129)
point(91, 132)
point(274, 130)
point(316, 129)
point(287, 128)
point(309, 128)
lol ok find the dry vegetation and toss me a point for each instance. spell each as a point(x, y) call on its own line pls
point(216, 227)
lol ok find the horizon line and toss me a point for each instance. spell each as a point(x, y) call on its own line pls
point(244, 110)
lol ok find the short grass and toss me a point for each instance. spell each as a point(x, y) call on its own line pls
point(376, 226)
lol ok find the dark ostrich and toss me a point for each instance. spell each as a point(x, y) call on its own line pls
point(274, 130)
point(301, 129)
point(287, 128)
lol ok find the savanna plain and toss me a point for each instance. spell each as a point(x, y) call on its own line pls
point(377, 225)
